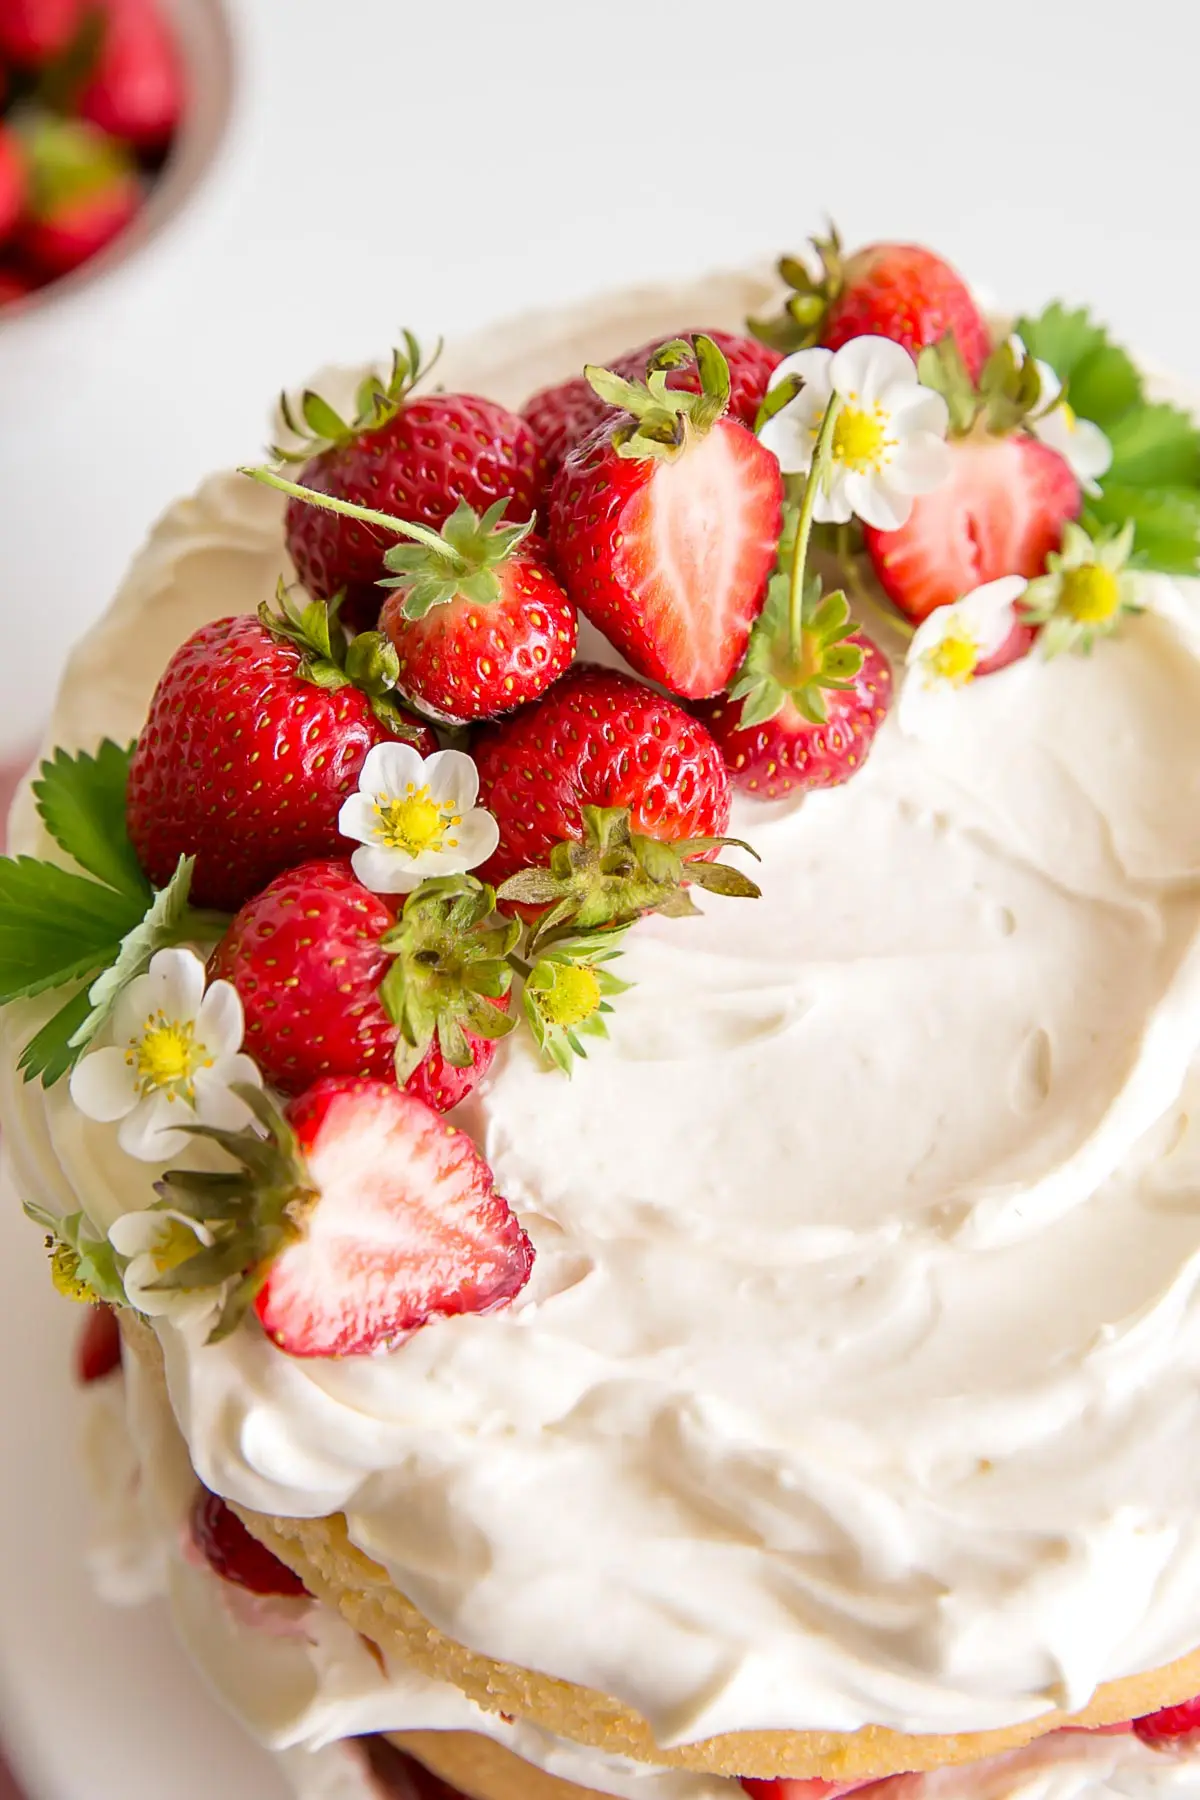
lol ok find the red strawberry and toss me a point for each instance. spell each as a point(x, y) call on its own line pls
point(83, 192)
point(665, 527)
point(619, 791)
point(811, 1787)
point(791, 752)
point(479, 622)
point(1171, 1725)
point(404, 1226)
point(1001, 512)
point(563, 415)
point(98, 1351)
point(414, 459)
point(12, 181)
point(15, 285)
point(897, 291)
point(249, 752)
point(135, 88)
point(308, 958)
point(32, 32)
point(598, 738)
point(235, 1555)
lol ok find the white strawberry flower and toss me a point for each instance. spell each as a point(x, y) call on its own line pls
point(174, 1059)
point(888, 438)
point(414, 817)
point(155, 1242)
point(1080, 442)
point(952, 644)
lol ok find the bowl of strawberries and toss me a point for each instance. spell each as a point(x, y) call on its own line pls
point(106, 112)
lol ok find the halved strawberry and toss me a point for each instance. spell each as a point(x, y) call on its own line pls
point(665, 527)
point(1171, 1725)
point(354, 1219)
point(234, 1554)
point(808, 1787)
point(1001, 512)
point(98, 1351)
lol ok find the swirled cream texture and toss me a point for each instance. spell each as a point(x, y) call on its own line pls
point(862, 1357)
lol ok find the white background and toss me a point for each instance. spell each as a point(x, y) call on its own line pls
point(441, 163)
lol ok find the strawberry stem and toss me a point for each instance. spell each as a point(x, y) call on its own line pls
point(420, 534)
point(816, 476)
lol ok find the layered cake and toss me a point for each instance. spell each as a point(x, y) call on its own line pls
point(601, 988)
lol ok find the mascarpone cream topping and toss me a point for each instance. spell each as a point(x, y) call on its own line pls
point(856, 1376)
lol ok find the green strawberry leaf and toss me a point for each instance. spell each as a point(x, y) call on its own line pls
point(1062, 337)
point(1155, 446)
point(164, 924)
point(1105, 386)
point(56, 927)
point(51, 1053)
point(1166, 521)
point(81, 800)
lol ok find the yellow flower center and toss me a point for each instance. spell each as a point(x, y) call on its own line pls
point(414, 822)
point(1068, 414)
point(175, 1245)
point(955, 659)
point(574, 997)
point(860, 438)
point(1090, 594)
point(166, 1056)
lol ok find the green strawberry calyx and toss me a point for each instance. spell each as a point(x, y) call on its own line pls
point(449, 969)
point(330, 659)
point(318, 426)
point(83, 1264)
point(1007, 397)
point(70, 163)
point(773, 674)
point(661, 420)
point(249, 1214)
point(613, 875)
point(797, 326)
point(567, 991)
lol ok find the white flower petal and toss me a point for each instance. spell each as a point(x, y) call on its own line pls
point(385, 871)
point(1051, 385)
point(867, 365)
point(389, 768)
point(220, 1024)
point(918, 409)
point(358, 818)
point(452, 777)
point(135, 1232)
point(103, 1086)
point(150, 1132)
point(131, 1010)
point(241, 1069)
point(865, 495)
point(215, 1105)
point(921, 464)
point(175, 984)
point(478, 837)
point(812, 366)
point(832, 507)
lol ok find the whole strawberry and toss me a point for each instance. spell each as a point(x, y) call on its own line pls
point(255, 736)
point(664, 526)
point(83, 191)
point(98, 1350)
point(563, 415)
point(478, 621)
point(349, 1222)
point(1005, 506)
point(232, 1553)
point(413, 457)
point(609, 798)
point(32, 32)
point(12, 181)
point(328, 975)
point(134, 89)
point(897, 291)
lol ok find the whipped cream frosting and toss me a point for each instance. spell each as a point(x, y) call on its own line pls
point(864, 1334)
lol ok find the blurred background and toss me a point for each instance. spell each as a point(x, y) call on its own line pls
point(344, 169)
